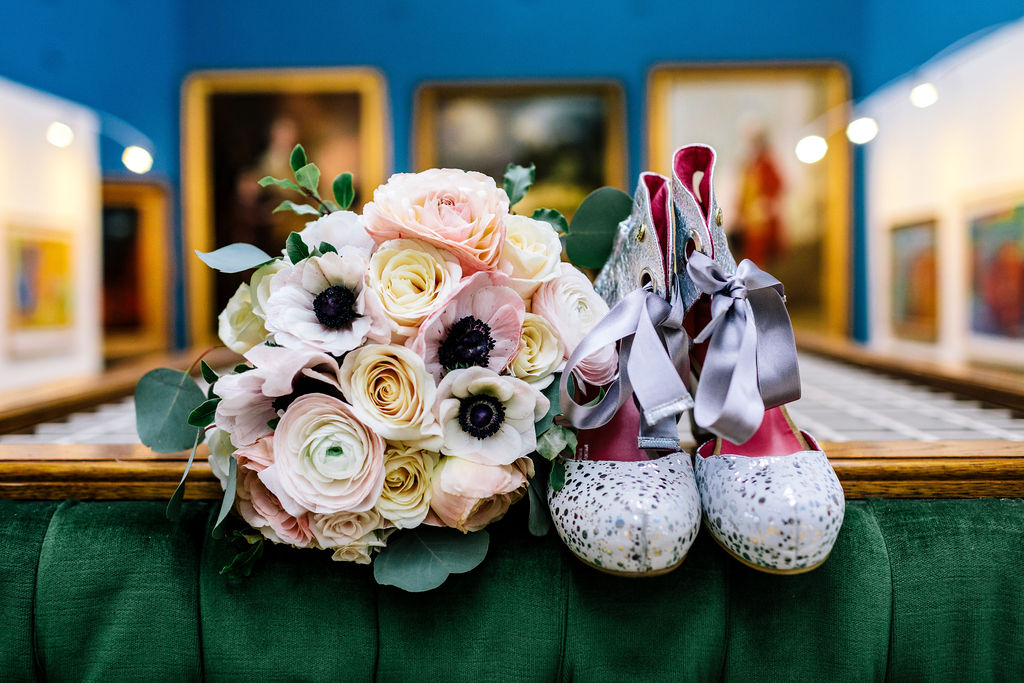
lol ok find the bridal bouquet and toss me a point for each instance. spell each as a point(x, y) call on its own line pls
point(400, 373)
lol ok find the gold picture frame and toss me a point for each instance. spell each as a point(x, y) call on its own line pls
point(563, 177)
point(713, 102)
point(147, 206)
point(302, 90)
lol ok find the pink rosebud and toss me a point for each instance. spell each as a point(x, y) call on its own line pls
point(468, 496)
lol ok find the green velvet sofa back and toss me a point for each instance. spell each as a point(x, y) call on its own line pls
point(914, 590)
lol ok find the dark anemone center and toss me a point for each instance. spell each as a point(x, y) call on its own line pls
point(467, 344)
point(481, 416)
point(335, 307)
point(303, 385)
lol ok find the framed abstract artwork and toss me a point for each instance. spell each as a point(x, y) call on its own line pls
point(914, 281)
point(789, 216)
point(573, 131)
point(240, 126)
point(996, 267)
point(40, 290)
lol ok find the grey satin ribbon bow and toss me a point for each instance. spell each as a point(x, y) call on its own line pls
point(751, 360)
point(652, 346)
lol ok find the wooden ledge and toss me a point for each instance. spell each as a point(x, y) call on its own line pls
point(884, 469)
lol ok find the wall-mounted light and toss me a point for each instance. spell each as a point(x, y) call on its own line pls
point(136, 159)
point(811, 149)
point(924, 95)
point(862, 130)
point(60, 134)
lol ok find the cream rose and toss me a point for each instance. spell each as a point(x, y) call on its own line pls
point(531, 254)
point(468, 496)
point(221, 451)
point(392, 392)
point(259, 285)
point(325, 460)
point(237, 326)
point(461, 212)
point(362, 549)
point(541, 353)
point(488, 418)
point(405, 500)
point(412, 279)
point(338, 529)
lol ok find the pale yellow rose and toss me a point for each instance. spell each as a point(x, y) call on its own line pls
point(531, 254)
point(338, 529)
point(541, 353)
point(392, 392)
point(237, 326)
point(362, 549)
point(405, 500)
point(413, 279)
point(259, 285)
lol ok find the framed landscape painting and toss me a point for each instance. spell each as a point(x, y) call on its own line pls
point(790, 217)
point(573, 131)
point(242, 125)
point(914, 280)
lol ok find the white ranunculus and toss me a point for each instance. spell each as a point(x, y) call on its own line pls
point(405, 499)
point(237, 326)
point(541, 353)
point(259, 285)
point(531, 254)
point(488, 418)
point(412, 279)
point(392, 392)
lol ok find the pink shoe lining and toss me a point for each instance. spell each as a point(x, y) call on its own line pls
point(657, 188)
point(689, 161)
point(774, 437)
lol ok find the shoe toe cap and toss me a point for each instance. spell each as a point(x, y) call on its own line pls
point(628, 517)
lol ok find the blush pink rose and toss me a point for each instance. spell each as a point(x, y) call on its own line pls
point(468, 496)
point(462, 212)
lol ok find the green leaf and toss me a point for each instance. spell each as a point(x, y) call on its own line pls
point(594, 226)
point(557, 478)
point(297, 249)
point(331, 206)
point(164, 398)
point(555, 440)
point(540, 516)
point(284, 183)
point(309, 177)
point(298, 158)
point(301, 209)
point(228, 500)
point(272, 422)
point(343, 192)
point(234, 258)
point(517, 181)
point(326, 248)
point(173, 509)
point(208, 373)
point(422, 558)
point(242, 367)
point(551, 392)
point(203, 415)
point(241, 565)
point(554, 218)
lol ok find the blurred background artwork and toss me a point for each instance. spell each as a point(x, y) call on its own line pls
point(243, 125)
point(41, 287)
point(915, 309)
point(572, 131)
point(997, 273)
point(781, 209)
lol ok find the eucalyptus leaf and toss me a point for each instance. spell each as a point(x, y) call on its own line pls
point(234, 258)
point(343, 191)
point(173, 509)
point(309, 177)
point(552, 217)
point(421, 559)
point(551, 392)
point(540, 516)
point(301, 209)
point(594, 225)
point(518, 180)
point(557, 478)
point(298, 158)
point(228, 500)
point(555, 440)
point(164, 398)
point(241, 565)
point(297, 249)
point(203, 415)
point(283, 183)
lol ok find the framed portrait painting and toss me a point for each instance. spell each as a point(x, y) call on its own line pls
point(914, 281)
point(996, 252)
point(242, 125)
point(573, 131)
point(40, 290)
point(791, 217)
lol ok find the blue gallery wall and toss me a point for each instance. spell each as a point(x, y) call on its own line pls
point(129, 58)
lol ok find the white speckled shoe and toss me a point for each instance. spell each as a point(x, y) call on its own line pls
point(620, 510)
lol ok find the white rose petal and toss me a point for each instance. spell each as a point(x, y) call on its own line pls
point(237, 326)
point(530, 255)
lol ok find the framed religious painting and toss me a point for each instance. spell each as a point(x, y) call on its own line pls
point(789, 215)
point(914, 281)
point(136, 279)
point(240, 126)
point(573, 131)
point(40, 291)
point(995, 235)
